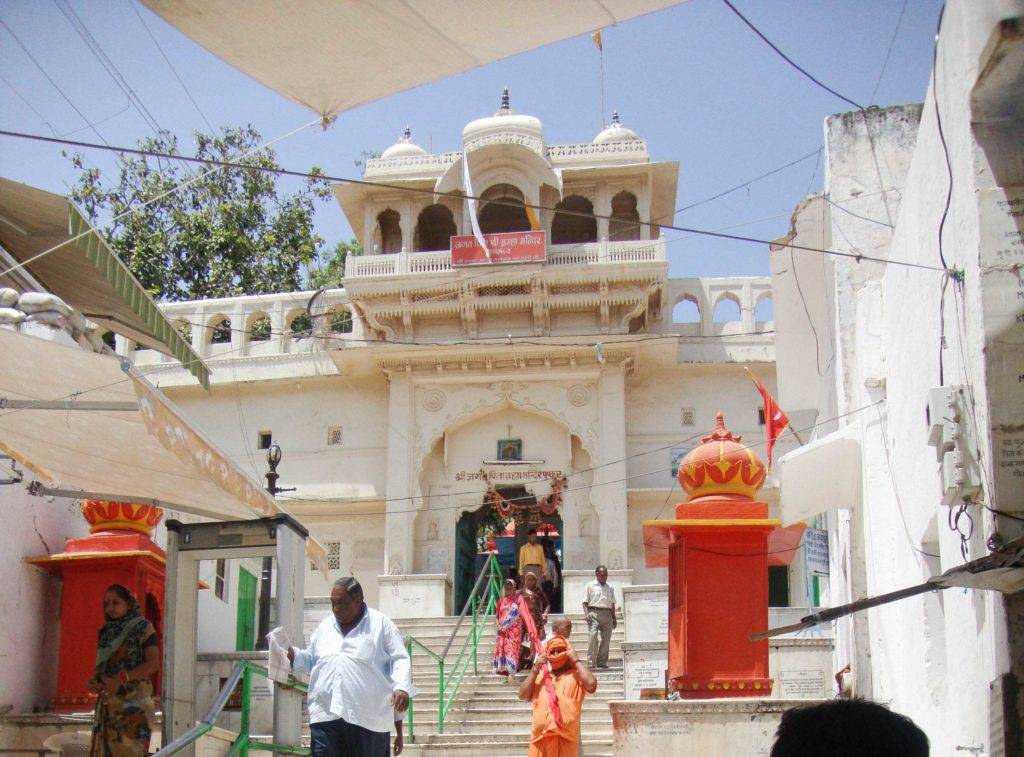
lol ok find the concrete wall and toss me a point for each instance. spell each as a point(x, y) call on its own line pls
point(30, 601)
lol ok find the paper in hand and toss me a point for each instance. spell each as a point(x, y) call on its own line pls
point(278, 665)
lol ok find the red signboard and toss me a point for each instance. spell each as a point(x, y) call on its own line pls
point(507, 247)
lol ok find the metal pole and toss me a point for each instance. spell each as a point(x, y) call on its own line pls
point(291, 579)
point(244, 726)
point(179, 641)
point(412, 736)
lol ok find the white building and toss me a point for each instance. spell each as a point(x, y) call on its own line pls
point(391, 401)
point(862, 345)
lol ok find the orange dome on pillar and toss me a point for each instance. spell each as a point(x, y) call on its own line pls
point(721, 467)
point(105, 516)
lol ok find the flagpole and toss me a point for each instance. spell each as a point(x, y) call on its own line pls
point(599, 43)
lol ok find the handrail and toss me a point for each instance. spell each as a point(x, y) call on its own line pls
point(465, 607)
point(243, 672)
point(456, 673)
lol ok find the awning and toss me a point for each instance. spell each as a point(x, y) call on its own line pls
point(86, 274)
point(331, 56)
point(150, 452)
point(821, 475)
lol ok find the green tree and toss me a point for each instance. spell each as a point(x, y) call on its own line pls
point(232, 231)
point(329, 268)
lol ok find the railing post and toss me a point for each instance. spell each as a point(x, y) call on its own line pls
point(440, 696)
point(243, 726)
point(476, 670)
point(409, 716)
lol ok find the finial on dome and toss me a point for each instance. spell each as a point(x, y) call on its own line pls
point(615, 118)
point(407, 135)
point(505, 102)
point(721, 433)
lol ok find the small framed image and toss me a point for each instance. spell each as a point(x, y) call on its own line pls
point(678, 453)
point(510, 449)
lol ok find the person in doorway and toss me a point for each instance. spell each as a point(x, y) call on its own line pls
point(509, 632)
point(571, 681)
point(599, 610)
point(531, 557)
point(127, 656)
point(550, 583)
point(359, 676)
point(847, 727)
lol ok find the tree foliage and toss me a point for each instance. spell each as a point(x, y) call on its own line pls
point(230, 232)
point(329, 268)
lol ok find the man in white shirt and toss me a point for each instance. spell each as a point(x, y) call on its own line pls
point(359, 677)
point(599, 610)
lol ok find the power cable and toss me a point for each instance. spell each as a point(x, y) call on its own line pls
point(108, 65)
point(855, 215)
point(888, 53)
point(30, 106)
point(176, 188)
point(766, 174)
point(457, 195)
point(170, 65)
point(55, 86)
point(789, 60)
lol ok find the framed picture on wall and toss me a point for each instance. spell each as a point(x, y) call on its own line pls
point(510, 449)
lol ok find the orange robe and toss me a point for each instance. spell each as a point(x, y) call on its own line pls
point(547, 740)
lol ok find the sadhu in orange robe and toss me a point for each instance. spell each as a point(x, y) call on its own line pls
point(547, 739)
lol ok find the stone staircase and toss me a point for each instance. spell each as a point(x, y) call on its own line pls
point(487, 717)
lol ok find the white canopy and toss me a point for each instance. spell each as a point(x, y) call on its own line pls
point(821, 475)
point(151, 452)
point(332, 55)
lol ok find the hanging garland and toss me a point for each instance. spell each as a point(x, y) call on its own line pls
point(549, 504)
point(506, 508)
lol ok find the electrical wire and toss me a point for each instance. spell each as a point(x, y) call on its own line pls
point(888, 53)
point(170, 65)
point(176, 188)
point(789, 60)
point(855, 215)
point(434, 193)
point(55, 86)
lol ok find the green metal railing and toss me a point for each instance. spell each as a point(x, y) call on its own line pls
point(242, 674)
point(481, 602)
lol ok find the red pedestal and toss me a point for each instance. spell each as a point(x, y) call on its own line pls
point(87, 567)
point(716, 552)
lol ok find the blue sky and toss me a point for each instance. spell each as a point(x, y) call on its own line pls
point(692, 80)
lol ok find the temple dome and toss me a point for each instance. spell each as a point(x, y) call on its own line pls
point(721, 467)
point(615, 132)
point(404, 147)
point(505, 121)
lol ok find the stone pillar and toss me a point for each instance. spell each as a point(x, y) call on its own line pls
point(610, 498)
point(603, 207)
point(399, 518)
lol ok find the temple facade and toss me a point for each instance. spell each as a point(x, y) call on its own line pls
point(439, 374)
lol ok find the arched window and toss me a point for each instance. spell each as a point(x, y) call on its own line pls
point(686, 311)
point(300, 325)
point(389, 229)
point(764, 310)
point(259, 327)
point(503, 210)
point(573, 229)
point(341, 321)
point(625, 220)
point(220, 330)
point(727, 309)
point(434, 229)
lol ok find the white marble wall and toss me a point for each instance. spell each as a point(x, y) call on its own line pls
point(645, 612)
point(415, 596)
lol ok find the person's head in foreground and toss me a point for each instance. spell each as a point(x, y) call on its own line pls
point(346, 600)
point(556, 650)
point(848, 728)
point(561, 626)
point(601, 574)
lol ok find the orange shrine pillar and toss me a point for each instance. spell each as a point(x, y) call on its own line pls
point(118, 550)
point(716, 554)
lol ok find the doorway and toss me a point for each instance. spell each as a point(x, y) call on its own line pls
point(475, 527)
point(245, 629)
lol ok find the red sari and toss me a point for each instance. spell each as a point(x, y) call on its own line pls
point(509, 636)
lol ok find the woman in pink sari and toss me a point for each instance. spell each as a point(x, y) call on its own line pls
point(509, 636)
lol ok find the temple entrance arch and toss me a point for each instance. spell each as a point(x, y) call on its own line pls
point(476, 528)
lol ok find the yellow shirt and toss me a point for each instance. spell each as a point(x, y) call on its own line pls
point(532, 554)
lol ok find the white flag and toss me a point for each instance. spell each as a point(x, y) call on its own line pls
point(471, 201)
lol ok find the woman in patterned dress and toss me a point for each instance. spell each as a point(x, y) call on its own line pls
point(127, 656)
point(509, 635)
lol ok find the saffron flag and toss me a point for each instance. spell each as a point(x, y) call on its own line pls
point(596, 36)
point(471, 201)
point(775, 419)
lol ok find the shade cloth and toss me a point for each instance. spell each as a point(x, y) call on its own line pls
point(332, 55)
point(153, 452)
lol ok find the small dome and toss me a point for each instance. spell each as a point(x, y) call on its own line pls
point(615, 132)
point(721, 467)
point(505, 120)
point(403, 147)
